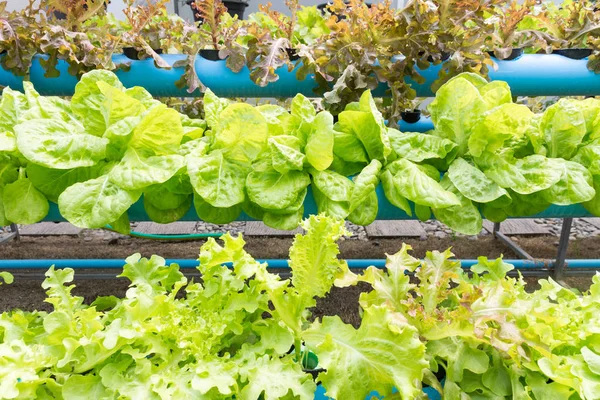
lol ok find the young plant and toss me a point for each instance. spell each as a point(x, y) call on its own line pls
point(75, 12)
point(19, 33)
point(570, 26)
point(226, 336)
point(507, 35)
point(211, 13)
point(485, 334)
point(147, 26)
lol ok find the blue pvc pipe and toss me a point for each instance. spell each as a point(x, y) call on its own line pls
point(273, 263)
point(528, 75)
point(424, 124)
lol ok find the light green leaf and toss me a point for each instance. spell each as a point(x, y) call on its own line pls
point(365, 184)
point(525, 205)
point(329, 207)
point(192, 128)
point(464, 218)
point(122, 224)
point(117, 105)
point(242, 133)
point(160, 130)
point(366, 212)
point(455, 110)
point(270, 189)
point(495, 269)
point(84, 387)
point(294, 206)
point(166, 216)
point(497, 380)
point(8, 142)
point(526, 175)
point(7, 278)
point(551, 391)
point(390, 288)
point(3, 220)
point(9, 170)
point(333, 185)
point(214, 374)
point(506, 125)
point(164, 199)
point(46, 107)
point(57, 144)
point(563, 126)
point(153, 272)
point(591, 359)
point(219, 181)
point(495, 94)
point(474, 184)
point(142, 95)
point(593, 205)
point(216, 215)
point(213, 106)
point(435, 274)
point(363, 126)
point(417, 147)
point(367, 104)
point(95, 203)
point(303, 108)
point(119, 135)
point(392, 192)
point(52, 182)
point(284, 221)
point(319, 146)
point(274, 379)
point(273, 115)
point(574, 186)
point(87, 101)
point(589, 157)
point(475, 79)
point(415, 185)
point(23, 203)
point(12, 105)
point(348, 147)
point(286, 153)
point(314, 256)
point(461, 357)
point(380, 355)
point(139, 169)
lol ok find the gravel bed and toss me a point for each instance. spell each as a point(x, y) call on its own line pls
point(233, 228)
point(433, 229)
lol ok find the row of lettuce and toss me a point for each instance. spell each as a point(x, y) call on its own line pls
point(97, 154)
point(244, 332)
point(352, 43)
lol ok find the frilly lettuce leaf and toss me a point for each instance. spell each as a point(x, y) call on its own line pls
point(382, 354)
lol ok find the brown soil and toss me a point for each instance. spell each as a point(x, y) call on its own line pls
point(56, 247)
point(26, 292)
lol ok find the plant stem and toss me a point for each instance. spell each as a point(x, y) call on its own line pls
point(297, 349)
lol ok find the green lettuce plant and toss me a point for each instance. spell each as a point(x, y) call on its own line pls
point(485, 334)
point(96, 154)
point(228, 336)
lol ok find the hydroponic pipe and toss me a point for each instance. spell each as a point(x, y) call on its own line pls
point(386, 211)
point(273, 263)
point(424, 124)
point(528, 75)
